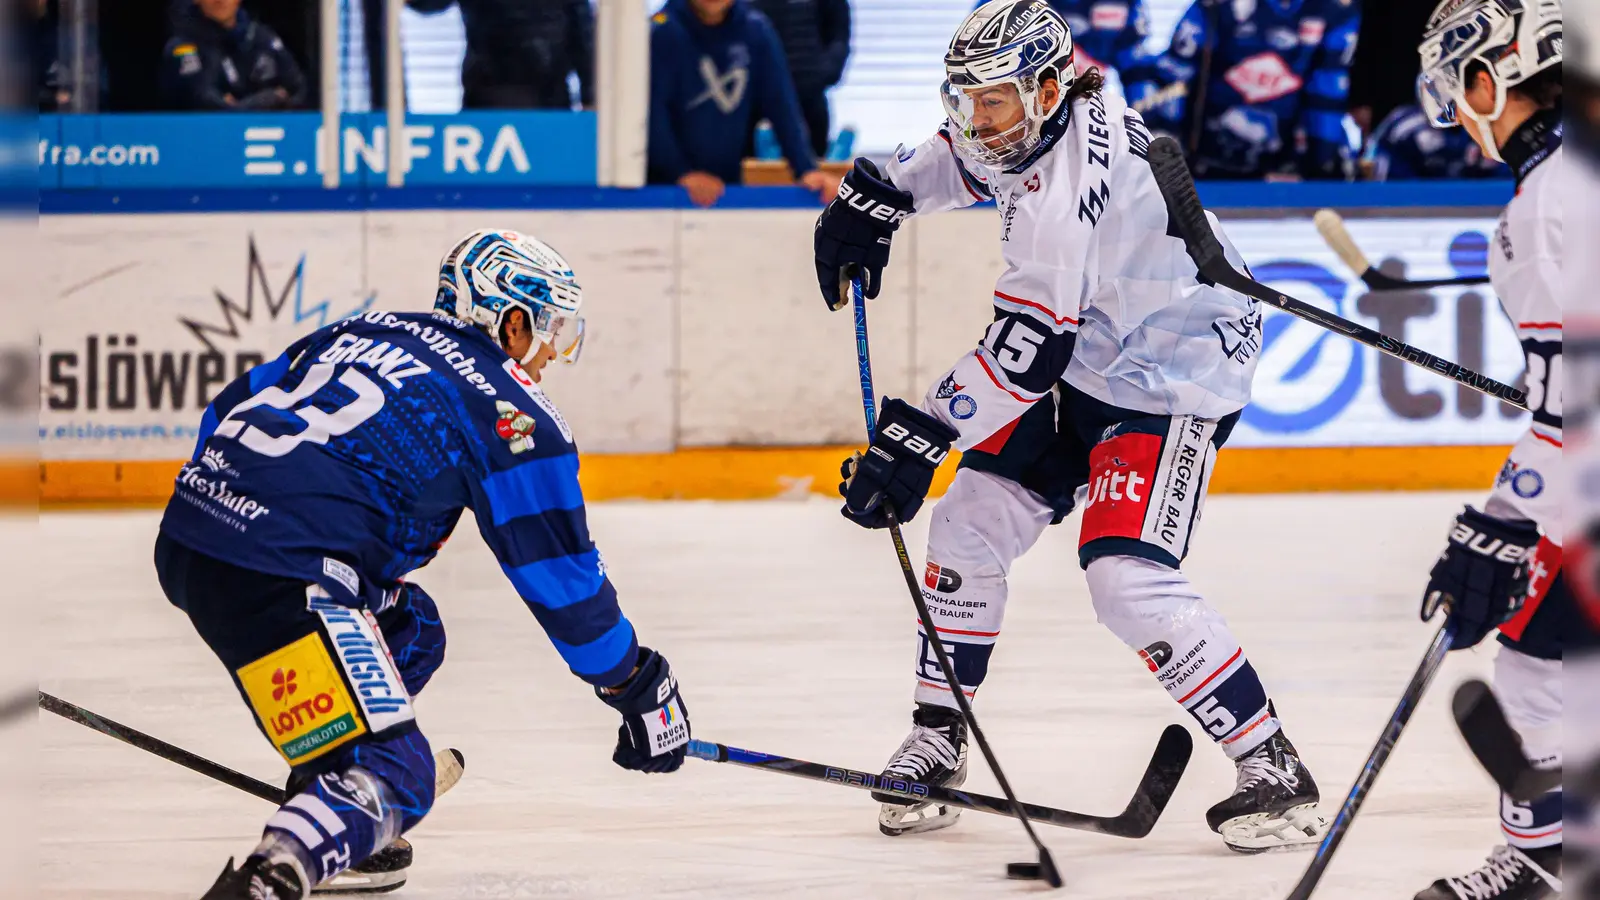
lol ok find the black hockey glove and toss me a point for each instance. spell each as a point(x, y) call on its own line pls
point(1482, 575)
point(655, 723)
point(897, 470)
point(855, 230)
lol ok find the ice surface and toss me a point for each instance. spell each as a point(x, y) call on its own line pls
point(791, 632)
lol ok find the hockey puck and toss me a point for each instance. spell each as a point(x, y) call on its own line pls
point(1027, 871)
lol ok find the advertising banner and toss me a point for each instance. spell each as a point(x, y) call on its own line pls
point(173, 307)
point(256, 150)
point(1318, 389)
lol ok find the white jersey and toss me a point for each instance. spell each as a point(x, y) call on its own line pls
point(1096, 292)
point(1525, 260)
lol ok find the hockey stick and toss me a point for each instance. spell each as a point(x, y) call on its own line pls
point(1183, 206)
point(1197, 106)
point(447, 763)
point(1497, 747)
point(1045, 868)
point(1135, 821)
point(1375, 761)
point(1337, 236)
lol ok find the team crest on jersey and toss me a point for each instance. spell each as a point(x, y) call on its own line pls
point(948, 388)
point(514, 426)
point(1032, 184)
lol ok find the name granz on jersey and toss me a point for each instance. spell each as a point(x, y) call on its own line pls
point(350, 349)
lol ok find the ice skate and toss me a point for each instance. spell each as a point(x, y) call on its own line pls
point(935, 753)
point(379, 873)
point(1510, 874)
point(257, 879)
point(1274, 802)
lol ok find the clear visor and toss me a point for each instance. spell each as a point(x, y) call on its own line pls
point(1437, 104)
point(563, 332)
point(993, 123)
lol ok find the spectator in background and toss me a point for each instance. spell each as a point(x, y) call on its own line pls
point(49, 70)
point(220, 59)
point(1106, 34)
point(716, 68)
point(521, 52)
point(1406, 146)
point(1383, 77)
point(1255, 88)
point(816, 42)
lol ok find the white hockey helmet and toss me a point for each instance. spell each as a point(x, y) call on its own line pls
point(1020, 43)
point(1512, 40)
point(490, 272)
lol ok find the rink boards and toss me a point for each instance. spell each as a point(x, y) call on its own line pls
point(712, 368)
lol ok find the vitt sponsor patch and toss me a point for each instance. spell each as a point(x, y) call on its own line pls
point(301, 701)
point(668, 728)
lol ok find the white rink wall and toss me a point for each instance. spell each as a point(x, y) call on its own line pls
point(706, 326)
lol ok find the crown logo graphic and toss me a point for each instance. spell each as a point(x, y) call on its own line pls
point(236, 314)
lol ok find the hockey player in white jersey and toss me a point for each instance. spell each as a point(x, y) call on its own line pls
point(1494, 67)
point(1108, 380)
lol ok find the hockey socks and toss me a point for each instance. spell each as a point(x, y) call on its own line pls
point(338, 820)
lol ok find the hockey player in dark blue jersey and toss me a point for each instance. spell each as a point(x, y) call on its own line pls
point(1407, 147)
point(1255, 88)
point(324, 478)
point(1106, 34)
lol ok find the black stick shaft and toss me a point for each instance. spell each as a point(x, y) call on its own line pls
point(1134, 824)
point(1375, 762)
point(145, 742)
point(1183, 205)
point(869, 407)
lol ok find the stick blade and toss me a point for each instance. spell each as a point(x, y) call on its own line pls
point(1043, 870)
point(449, 765)
point(1332, 228)
point(1160, 782)
point(1183, 204)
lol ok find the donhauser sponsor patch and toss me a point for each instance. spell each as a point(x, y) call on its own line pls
point(300, 699)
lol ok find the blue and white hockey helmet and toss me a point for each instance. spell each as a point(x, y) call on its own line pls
point(1512, 40)
point(1004, 53)
point(491, 272)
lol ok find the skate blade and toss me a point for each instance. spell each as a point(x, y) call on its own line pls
point(353, 882)
point(895, 820)
point(1298, 827)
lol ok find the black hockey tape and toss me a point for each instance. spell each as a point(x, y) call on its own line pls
point(1183, 203)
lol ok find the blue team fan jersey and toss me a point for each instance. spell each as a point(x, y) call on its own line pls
point(1407, 146)
point(348, 460)
point(1277, 92)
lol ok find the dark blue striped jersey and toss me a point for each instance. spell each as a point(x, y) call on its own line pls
point(348, 460)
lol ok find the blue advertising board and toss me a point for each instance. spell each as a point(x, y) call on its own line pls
point(279, 150)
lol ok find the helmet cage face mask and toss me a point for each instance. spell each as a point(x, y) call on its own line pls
point(1511, 40)
point(491, 273)
point(1015, 44)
